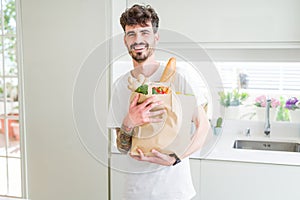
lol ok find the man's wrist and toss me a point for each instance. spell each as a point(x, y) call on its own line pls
point(123, 141)
point(127, 129)
point(177, 159)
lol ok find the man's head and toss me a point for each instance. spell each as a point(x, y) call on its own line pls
point(139, 15)
point(140, 24)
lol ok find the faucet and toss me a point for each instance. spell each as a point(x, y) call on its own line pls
point(247, 132)
point(267, 130)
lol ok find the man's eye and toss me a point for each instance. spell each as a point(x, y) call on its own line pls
point(145, 33)
point(130, 34)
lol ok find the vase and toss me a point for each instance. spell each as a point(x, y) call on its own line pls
point(295, 116)
point(232, 112)
point(217, 131)
point(261, 114)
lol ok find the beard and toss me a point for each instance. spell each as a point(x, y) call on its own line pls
point(143, 55)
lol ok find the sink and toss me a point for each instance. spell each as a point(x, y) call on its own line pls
point(267, 145)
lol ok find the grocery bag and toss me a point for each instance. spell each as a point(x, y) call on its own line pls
point(159, 135)
point(172, 135)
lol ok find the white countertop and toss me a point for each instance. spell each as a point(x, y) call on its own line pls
point(221, 147)
point(234, 130)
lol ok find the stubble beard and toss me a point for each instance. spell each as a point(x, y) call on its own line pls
point(140, 57)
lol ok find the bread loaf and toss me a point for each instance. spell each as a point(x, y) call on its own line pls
point(169, 72)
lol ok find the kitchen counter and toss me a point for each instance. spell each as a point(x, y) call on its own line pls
point(235, 130)
point(221, 147)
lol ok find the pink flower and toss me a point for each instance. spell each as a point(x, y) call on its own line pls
point(262, 100)
point(275, 103)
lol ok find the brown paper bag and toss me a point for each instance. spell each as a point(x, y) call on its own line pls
point(158, 135)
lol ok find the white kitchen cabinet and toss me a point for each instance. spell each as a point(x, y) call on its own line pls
point(117, 177)
point(230, 20)
point(216, 180)
point(248, 181)
point(195, 170)
point(230, 30)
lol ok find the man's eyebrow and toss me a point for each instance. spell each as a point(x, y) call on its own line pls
point(145, 30)
point(141, 30)
point(129, 32)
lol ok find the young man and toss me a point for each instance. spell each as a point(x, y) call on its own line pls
point(172, 180)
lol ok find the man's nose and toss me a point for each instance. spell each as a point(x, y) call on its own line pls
point(138, 38)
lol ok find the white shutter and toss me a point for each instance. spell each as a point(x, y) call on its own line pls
point(262, 75)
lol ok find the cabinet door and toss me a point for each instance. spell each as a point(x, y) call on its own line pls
point(229, 21)
point(248, 181)
point(195, 170)
point(117, 177)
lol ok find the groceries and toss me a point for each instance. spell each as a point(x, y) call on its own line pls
point(158, 135)
point(143, 89)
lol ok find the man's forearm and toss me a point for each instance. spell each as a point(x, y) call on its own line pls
point(200, 134)
point(123, 141)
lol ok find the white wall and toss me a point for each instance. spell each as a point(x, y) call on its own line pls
point(57, 37)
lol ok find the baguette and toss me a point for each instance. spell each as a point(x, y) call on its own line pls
point(169, 72)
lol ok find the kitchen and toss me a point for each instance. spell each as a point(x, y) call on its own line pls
point(68, 152)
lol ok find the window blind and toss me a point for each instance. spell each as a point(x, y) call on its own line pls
point(261, 75)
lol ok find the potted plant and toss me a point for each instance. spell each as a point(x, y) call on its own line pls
point(293, 105)
point(231, 100)
point(218, 127)
point(282, 111)
point(260, 104)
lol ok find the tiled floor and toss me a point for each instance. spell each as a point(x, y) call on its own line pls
point(10, 180)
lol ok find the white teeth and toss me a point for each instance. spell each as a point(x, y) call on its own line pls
point(139, 47)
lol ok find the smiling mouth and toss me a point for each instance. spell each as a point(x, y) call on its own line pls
point(139, 47)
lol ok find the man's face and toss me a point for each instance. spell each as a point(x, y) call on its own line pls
point(140, 41)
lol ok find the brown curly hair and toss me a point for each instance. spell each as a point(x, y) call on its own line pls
point(139, 14)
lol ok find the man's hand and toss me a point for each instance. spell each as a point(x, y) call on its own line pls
point(140, 114)
point(157, 158)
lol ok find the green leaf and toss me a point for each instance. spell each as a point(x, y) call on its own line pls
point(142, 89)
point(233, 98)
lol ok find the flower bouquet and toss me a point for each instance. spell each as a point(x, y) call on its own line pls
point(261, 102)
point(293, 105)
point(231, 100)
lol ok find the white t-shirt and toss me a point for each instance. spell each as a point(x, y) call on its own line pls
point(147, 181)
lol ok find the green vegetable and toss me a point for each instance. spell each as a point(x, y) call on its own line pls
point(154, 91)
point(142, 89)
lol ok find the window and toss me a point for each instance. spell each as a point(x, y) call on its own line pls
point(273, 79)
point(10, 155)
point(276, 77)
point(277, 80)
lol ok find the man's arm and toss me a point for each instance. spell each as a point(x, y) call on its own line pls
point(138, 114)
point(197, 141)
point(200, 134)
point(123, 141)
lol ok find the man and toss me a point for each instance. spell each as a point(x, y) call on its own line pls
point(172, 180)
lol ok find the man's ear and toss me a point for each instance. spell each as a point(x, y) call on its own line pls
point(125, 41)
point(156, 37)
